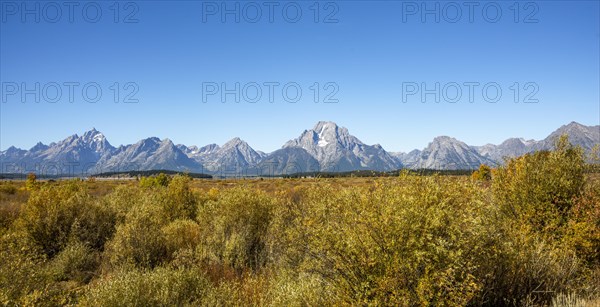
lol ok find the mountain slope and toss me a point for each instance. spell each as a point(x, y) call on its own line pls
point(446, 153)
point(287, 161)
point(585, 136)
point(337, 150)
point(148, 154)
point(510, 148)
point(73, 155)
point(579, 135)
point(325, 147)
point(235, 155)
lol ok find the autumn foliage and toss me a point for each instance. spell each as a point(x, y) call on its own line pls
point(526, 233)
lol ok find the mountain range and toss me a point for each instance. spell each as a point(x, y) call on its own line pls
point(325, 147)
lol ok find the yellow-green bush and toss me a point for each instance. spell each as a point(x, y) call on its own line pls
point(583, 230)
point(139, 241)
point(7, 188)
point(181, 234)
point(484, 173)
point(76, 262)
point(521, 268)
point(20, 269)
point(55, 214)
point(540, 188)
point(159, 287)
point(291, 289)
point(405, 243)
point(144, 236)
point(180, 200)
point(9, 212)
point(534, 259)
point(31, 182)
point(234, 228)
point(160, 180)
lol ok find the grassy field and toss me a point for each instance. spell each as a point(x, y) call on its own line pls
point(526, 234)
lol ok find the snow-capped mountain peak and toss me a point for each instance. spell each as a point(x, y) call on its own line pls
point(337, 150)
point(325, 147)
point(95, 140)
point(321, 141)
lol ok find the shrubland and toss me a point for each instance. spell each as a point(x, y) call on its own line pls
point(523, 234)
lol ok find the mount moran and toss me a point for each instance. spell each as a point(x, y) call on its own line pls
point(325, 147)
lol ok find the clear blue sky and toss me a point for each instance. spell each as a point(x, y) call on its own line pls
point(369, 53)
